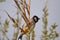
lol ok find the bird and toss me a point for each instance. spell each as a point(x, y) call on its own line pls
point(33, 22)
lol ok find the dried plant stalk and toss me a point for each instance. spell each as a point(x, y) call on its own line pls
point(28, 10)
point(52, 34)
point(23, 14)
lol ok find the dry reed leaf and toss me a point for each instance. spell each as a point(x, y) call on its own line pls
point(23, 14)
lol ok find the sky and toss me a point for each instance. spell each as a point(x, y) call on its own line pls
point(36, 9)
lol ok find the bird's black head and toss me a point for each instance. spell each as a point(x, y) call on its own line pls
point(35, 18)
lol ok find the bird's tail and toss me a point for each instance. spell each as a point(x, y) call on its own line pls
point(20, 37)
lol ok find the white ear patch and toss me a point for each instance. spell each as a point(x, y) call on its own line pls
point(35, 19)
point(19, 39)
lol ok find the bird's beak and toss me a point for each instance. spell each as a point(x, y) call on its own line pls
point(38, 18)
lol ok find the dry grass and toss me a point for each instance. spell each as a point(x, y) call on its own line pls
point(22, 7)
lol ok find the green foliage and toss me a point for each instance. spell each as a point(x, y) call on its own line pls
point(15, 24)
point(15, 35)
point(4, 29)
point(6, 24)
point(33, 35)
point(46, 35)
point(45, 23)
point(53, 34)
point(53, 26)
